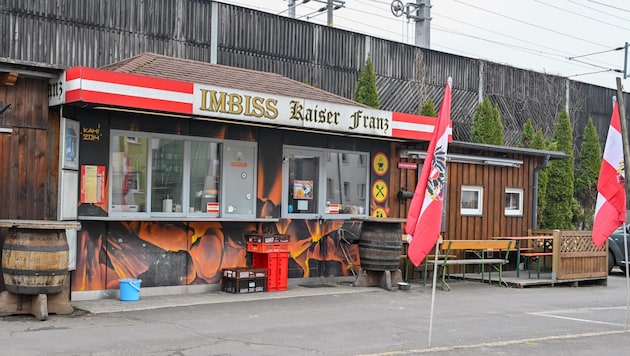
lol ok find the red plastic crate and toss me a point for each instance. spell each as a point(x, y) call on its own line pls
point(268, 247)
point(277, 264)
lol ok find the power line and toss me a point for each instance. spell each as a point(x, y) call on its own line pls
point(594, 65)
point(529, 24)
point(547, 55)
point(592, 54)
point(371, 11)
point(596, 72)
point(596, 10)
point(288, 8)
point(534, 51)
point(578, 14)
point(613, 7)
point(499, 33)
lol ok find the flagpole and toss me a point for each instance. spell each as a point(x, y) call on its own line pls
point(435, 268)
point(424, 214)
point(625, 262)
point(626, 165)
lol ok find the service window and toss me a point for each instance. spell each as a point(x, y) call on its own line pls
point(166, 175)
point(471, 200)
point(167, 179)
point(128, 173)
point(513, 202)
point(324, 183)
point(205, 178)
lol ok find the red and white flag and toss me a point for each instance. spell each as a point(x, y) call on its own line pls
point(425, 212)
point(610, 211)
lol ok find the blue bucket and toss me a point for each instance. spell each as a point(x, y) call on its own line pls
point(129, 289)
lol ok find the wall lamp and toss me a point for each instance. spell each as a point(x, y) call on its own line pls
point(405, 194)
point(460, 158)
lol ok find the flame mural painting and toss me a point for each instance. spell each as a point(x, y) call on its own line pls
point(170, 254)
point(175, 253)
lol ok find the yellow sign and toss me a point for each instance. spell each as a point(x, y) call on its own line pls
point(380, 164)
point(379, 213)
point(379, 191)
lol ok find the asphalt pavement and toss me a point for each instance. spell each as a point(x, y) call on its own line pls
point(337, 319)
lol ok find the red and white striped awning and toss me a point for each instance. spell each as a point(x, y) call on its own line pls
point(139, 92)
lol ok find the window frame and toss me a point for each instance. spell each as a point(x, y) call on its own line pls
point(324, 155)
point(187, 156)
point(478, 211)
point(518, 211)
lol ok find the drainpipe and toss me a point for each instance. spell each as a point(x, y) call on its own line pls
point(544, 164)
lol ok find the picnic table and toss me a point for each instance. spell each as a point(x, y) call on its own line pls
point(530, 252)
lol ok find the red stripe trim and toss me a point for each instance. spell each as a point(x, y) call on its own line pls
point(425, 136)
point(73, 73)
point(415, 119)
point(73, 95)
point(136, 102)
point(136, 80)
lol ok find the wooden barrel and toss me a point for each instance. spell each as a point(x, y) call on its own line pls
point(380, 246)
point(35, 261)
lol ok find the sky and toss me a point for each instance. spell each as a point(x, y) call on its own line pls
point(581, 39)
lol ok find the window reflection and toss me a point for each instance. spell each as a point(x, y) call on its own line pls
point(129, 173)
point(204, 177)
point(167, 175)
point(346, 182)
point(303, 184)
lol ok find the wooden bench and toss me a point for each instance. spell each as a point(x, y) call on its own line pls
point(479, 249)
point(534, 256)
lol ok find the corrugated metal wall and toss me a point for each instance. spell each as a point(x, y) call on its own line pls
point(99, 32)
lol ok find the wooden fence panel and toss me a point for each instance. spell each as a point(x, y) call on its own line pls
point(576, 257)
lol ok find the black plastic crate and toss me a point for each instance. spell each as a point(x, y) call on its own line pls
point(244, 272)
point(267, 238)
point(244, 285)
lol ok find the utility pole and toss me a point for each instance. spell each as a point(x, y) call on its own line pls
point(331, 5)
point(330, 9)
point(423, 23)
point(420, 12)
point(292, 9)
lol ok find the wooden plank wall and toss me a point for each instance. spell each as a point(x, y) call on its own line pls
point(493, 179)
point(95, 33)
point(28, 155)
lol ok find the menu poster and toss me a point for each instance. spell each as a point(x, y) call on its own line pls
point(302, 189)
point(92, 184)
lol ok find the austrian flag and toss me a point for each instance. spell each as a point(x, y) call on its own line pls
point(424, 218)
point(610, 210)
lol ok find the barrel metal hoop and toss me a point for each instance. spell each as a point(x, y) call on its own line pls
point(45, 248)
point(390, 247)
point(22, 272)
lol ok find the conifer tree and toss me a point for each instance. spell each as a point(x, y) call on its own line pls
point(527, 136)
point(487, 125)
point(559, 193)
point(428, 109)
point(365, 90)
point(587, 174)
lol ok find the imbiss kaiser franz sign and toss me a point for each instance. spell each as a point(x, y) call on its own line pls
point(281, 110)
point(97, 86)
